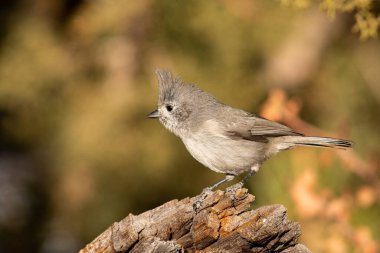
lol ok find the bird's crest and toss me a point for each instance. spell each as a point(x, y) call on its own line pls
point(169, 87)
point(174, 89)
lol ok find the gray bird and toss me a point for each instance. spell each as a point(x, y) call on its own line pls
point(225, 139)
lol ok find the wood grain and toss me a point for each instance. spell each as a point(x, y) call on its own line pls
point(217, 227)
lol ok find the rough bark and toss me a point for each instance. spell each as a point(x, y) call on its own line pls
point(217, 227)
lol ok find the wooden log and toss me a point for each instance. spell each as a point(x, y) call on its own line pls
point(217, 227)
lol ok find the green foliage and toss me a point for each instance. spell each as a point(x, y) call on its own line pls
point(367, 21)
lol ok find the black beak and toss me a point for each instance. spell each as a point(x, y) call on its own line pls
point(153, 115)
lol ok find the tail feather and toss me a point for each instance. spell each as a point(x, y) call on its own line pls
point(318, 142)
point(322, 142)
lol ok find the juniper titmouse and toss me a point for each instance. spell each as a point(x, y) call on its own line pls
point(225, 139)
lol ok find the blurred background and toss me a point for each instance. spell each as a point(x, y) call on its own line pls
point(77, 81)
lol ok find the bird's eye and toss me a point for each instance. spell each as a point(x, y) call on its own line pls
point(169, 108)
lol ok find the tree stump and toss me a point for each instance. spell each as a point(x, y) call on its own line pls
point(217, 227)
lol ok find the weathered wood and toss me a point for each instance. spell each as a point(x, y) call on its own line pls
point(217, 227)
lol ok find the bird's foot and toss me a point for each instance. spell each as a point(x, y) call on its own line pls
point(197, 205)
point(232, 191)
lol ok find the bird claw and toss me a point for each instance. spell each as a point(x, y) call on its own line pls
point(232, 191)
point(197, 205)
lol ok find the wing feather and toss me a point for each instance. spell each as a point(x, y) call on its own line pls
point(259, 129)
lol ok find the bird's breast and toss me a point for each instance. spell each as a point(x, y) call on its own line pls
point(221, 153)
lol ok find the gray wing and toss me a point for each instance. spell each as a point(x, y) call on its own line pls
point(255, 128)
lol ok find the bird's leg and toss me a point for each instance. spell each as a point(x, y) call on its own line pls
point(206, 191)
point(232, 189)
point(228, 178)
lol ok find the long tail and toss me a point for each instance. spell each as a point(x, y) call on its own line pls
point(319, 142)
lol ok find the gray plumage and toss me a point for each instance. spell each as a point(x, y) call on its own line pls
point(225, 139)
